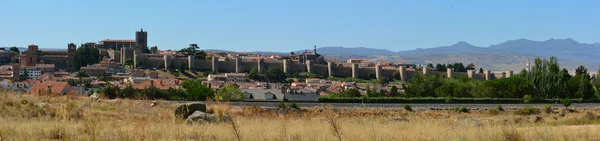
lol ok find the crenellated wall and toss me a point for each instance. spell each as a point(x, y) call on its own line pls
point(347, 70)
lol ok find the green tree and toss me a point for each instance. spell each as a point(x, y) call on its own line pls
point(275, 75)
point(196, 90)
point(153, 92)
point(15, 49)
point(253, 74)
point(581, 70)
point(181, 67)
point(84, 56)
point(396, 75)
point(129, 62)
point(82, 74)
point(423, 85)
point(110, 91)
point(393, 91)
point(480, 70)
point(127, 92)
point(145, 49)
point(24, 75)
point(230, 92)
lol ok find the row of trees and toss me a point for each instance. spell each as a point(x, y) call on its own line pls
point(545, 81)
point(457, 67)
point(272, 75)
point(192, 90)
point(85, 56)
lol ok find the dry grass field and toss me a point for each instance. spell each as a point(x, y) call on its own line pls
point(67, 118)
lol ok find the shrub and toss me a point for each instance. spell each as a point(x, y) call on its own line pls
point(294, 105)
point(464, 109)
point(499, 108)
point(282, 104)
point(528, 111)
point(408, 108)
point(493, 111)
point(449, 99)
point(548, 108)
point(527, 99)
point(24, 101)
point(566, 102)
point(456, 109)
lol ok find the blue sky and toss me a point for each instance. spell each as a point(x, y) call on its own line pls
point(286, 25)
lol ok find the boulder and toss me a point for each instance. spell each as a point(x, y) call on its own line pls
point(201, 117)
point(42, 105)
point(186, 109)
point(95, 96)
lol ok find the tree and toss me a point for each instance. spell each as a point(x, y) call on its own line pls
point(15, 49)
point(480, 70)
point(566, 102)
point(275, 75)
point(109, 91)
point(127, 92)
point(84, 56)
point(129, 62)
point(581, 70)
point(145, 49)
point(393, 92)
point(253, 74)
point(396, 75)
point(181, 67)
point(196, 90)
point(423, 85)
point(153, 92)
point(24, 76)
point(82, 74)
point(429, 65)
point(230, 92)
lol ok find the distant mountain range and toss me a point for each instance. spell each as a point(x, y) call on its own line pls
point(511, 54)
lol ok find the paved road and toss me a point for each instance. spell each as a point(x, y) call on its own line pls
point(413, 105)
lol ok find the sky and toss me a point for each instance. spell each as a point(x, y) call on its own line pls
point(289, 25)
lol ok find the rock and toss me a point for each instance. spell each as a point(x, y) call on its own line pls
point(153, 104)
point(561, 115)
point(41, 105)
point(201, 117)
point(95, 96)
point(535, 119)
point(403, 119)
point(186, 109)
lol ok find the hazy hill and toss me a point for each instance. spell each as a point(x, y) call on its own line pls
point(349, 50)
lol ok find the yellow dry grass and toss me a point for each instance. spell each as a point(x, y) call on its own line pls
point(82, 119)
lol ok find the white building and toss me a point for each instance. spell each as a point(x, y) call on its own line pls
point(32, 72)
point(228, 77)
point(235, 77)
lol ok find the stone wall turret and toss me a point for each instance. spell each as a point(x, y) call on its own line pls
point(286, 65)
point(402, 71)
point(309, 66)
point(449, 72)
point(354, 70)
point(330, 67)
point(215, 64)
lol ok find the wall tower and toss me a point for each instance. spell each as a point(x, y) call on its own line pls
point(141, 38)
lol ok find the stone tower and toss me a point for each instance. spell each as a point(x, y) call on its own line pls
point(315, 49)
point(141, 38)
point(31, 56)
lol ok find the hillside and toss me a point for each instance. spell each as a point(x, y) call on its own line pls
point(494, 61)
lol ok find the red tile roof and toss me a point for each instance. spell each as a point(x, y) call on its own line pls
point(56, 87)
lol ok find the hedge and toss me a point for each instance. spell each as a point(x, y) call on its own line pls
point(438, 100)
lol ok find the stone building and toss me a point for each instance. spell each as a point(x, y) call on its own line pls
point(306, 55)
point(141, 40)
point(60, 59)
